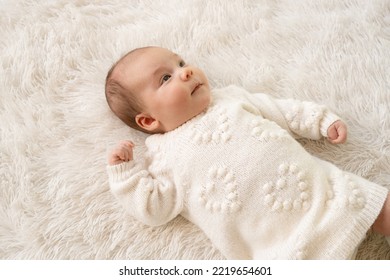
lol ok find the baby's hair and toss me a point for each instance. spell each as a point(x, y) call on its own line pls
point(121, 100)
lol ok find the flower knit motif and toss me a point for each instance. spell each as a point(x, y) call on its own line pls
point(295, 116)
point(289, 192)
point(203, 134)
point(220, 193)
point(263, 130)
point(356, 200)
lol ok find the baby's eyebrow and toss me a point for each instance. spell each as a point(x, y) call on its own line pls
point(177, 56)
point(157, 73)
point(157, 70)
point(163, 68)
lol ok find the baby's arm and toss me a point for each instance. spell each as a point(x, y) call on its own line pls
point(153, 201)
point(303, 118)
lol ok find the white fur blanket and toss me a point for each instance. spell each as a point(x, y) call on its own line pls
point(55, 201)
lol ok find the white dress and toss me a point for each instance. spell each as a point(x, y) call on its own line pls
point(238, 173)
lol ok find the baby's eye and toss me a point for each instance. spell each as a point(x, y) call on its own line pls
point(165, 78)
point(182, 63)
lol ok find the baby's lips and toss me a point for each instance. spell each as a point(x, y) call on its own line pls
point(196, 87)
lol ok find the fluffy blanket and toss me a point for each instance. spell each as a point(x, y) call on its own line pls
point(56, 127)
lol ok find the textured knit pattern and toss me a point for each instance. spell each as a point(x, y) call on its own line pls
point(238, 173)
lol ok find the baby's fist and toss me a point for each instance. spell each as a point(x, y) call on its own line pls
point(337, 132)
point(123, 152)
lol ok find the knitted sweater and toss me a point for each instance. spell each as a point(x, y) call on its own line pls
point(238, 173)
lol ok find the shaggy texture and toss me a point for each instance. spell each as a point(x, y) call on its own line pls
point(56, 127)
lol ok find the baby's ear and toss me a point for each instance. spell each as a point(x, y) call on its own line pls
point(147, 122)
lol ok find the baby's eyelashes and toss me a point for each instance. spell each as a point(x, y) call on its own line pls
point(165, 78)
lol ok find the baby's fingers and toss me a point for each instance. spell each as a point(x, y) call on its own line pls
point(332, 133)
point(115, 157)
point(128, 154)
point(122, 153)
point(337, 132)
point(127, 143)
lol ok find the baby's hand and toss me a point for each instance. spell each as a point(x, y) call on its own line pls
point(337, 132)
point(123, 152)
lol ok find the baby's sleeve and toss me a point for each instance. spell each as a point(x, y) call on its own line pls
point(301, 118)
point(151, 201)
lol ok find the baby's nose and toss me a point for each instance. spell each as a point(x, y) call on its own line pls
point(186, 73)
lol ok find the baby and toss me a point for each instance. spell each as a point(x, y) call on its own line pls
point(228, 161)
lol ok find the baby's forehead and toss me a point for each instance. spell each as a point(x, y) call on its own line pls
point(145, 62)
point(158, 57)
point(127, 64)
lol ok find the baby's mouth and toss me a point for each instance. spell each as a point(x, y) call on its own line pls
point(197, 86)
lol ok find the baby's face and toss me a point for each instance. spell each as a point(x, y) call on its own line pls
point(171, 91)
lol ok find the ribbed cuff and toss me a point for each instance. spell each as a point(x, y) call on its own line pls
point(356, 233)
point(120, 171)
point(326, 122)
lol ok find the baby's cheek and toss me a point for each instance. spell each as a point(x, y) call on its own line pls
point(176, 98)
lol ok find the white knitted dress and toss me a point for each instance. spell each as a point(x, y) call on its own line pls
point(237, 172)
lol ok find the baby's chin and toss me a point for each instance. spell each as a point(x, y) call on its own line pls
point(200, 110)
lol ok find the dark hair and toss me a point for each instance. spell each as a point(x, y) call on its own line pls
point(121, 100)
